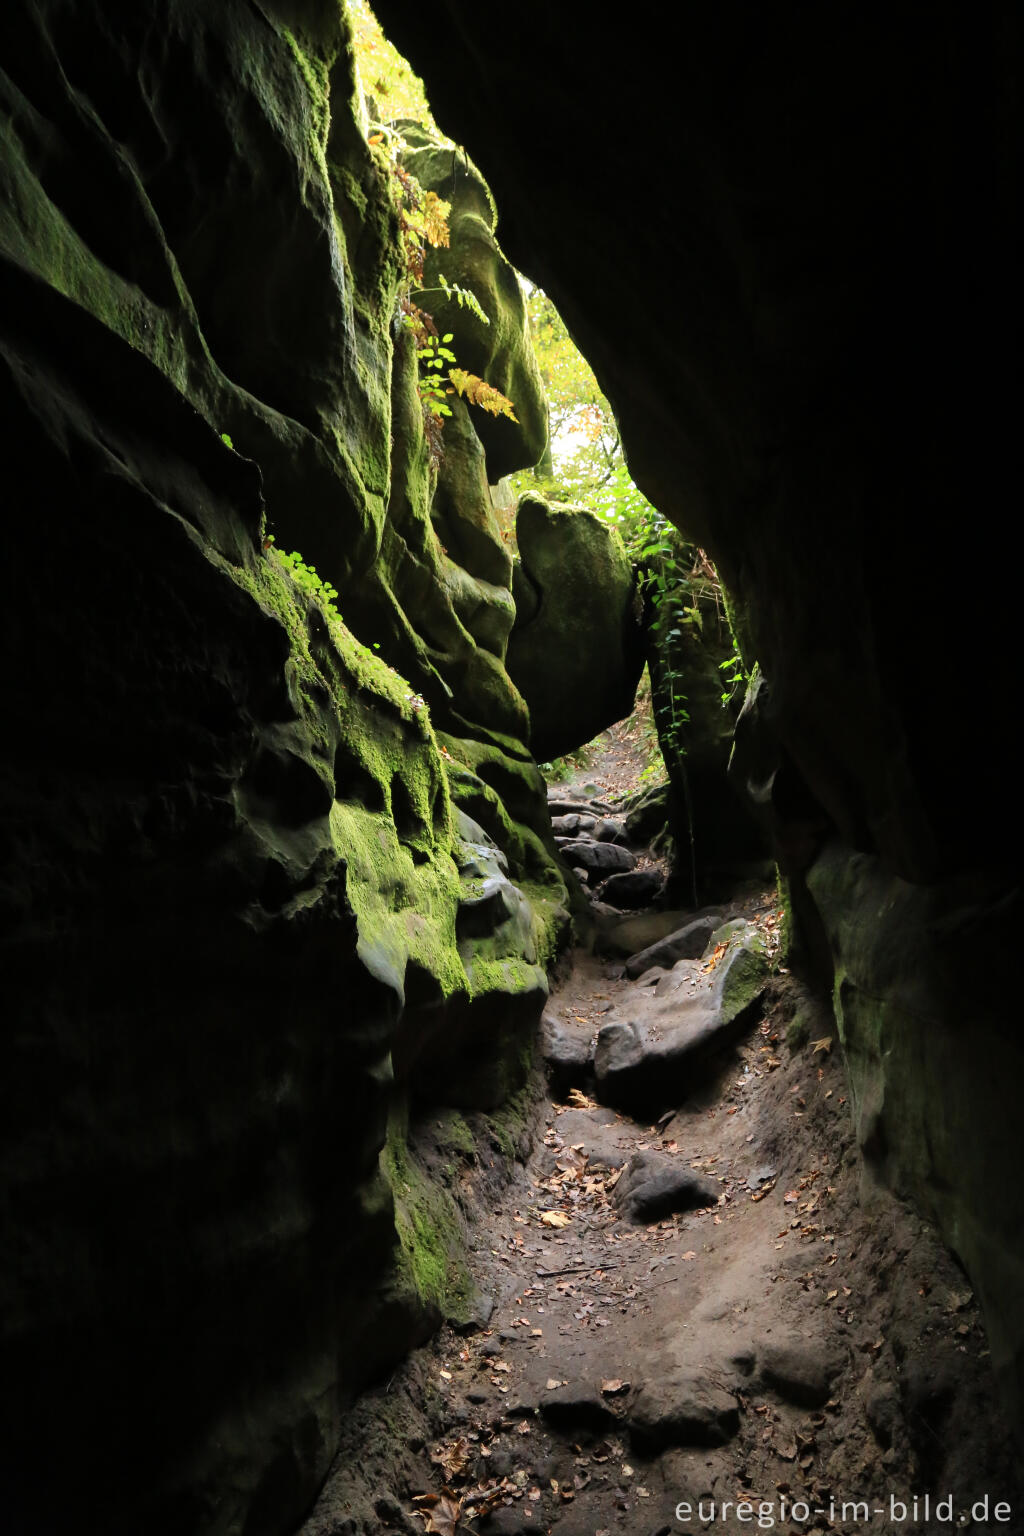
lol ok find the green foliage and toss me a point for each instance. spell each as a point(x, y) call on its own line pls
point(734, 675)
point(383, 73)
point(464, 297)
point(423, 221)
point(308, 578)
point(432, 355)
point(397, 92)
point(586, 463)
point(226, 439)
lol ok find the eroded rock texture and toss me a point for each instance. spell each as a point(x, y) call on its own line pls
point(576, 651)
point(783, 241)
point(270, 879)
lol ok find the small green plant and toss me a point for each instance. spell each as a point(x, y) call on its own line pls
point(307, 577)
point(464, 297)
point(433, 355)
point(734, 675)
point(226, 439)
point(439, 377)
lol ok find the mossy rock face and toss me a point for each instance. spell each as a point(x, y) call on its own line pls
point(254, 835)
point(499, 352)
point(578, 656)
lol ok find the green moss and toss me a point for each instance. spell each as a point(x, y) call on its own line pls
point(401, 880)
point(747, 969)
point(316, 75)
point(509, 1124)
point(453, 1131)
point(787, 934)
point(431, 1235)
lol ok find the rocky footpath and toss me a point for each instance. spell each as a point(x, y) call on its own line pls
point(688, 1300)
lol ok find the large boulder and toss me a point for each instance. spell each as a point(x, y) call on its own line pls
point(576, 651)
point(675, 1033)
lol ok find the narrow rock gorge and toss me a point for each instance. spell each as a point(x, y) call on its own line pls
point(280, 878)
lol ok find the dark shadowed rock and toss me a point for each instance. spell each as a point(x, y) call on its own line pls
point(576, 1407)
point(575, 808)
point(574, 589)
point(566, 1054)
point(687, 943)
point(683, 1407)
point(799, 1371)
point(610, 830)
point(607, 858)
point(633, 888)
point(653, 1185)
point(629, 935)
point(673, 1036)
point(566, 826)
point(648, 814)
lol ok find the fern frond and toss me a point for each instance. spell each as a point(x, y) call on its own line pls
point(465, 297)
point(484, 395)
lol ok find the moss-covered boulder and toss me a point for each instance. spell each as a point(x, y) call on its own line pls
point(576, 651)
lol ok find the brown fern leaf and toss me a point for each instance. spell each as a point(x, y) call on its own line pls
point(484, 395)
point(419, 322)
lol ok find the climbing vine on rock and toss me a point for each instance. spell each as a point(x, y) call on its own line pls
point(687, 626)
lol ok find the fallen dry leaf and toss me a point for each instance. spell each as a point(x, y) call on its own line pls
point(720, 950)
point(824, 1044)
point(452, 1457)
point(552, 1383)
point(578, 1099)
point(610, 1388)
point(690, 1255)
point(554, 1219)
point(440, 1511)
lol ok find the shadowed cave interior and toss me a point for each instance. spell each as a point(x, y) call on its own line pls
point(281, 880)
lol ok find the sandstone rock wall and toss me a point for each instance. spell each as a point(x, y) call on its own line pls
point(270, 877)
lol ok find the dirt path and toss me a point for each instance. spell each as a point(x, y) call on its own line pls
point(795, 1344)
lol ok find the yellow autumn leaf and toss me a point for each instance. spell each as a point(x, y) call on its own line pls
point(554, 1219)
